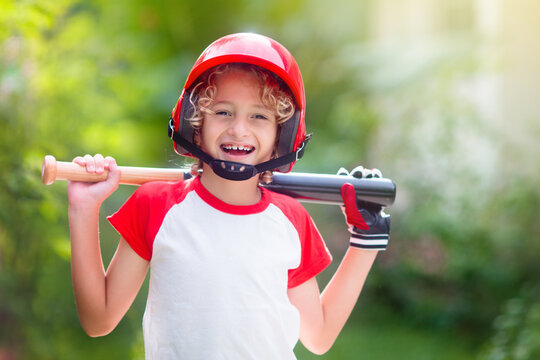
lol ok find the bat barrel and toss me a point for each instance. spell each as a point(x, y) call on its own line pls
point(326, 189)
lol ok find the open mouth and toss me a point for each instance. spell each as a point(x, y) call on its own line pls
point(237, 149)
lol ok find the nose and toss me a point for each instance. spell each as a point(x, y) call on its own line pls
point(239, 126)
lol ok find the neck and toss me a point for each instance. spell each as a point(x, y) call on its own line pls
point(244, 192)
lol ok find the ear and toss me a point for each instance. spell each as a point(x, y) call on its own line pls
point(197, 137)
point(275, 152)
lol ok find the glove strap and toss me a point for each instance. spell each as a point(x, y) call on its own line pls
point(368, 241)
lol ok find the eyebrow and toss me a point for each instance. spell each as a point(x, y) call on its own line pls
point(225, 102)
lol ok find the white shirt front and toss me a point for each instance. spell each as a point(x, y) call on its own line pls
point(220, 273)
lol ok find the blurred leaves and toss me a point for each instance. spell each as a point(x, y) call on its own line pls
point(517, 329)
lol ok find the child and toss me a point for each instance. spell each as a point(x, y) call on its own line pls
point(233, 264)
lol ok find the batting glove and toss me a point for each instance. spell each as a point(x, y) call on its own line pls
point(369, 226)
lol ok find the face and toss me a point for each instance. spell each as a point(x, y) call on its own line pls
point(240, 128)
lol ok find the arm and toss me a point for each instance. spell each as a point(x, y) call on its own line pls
point(102, 297)
point(323, 316)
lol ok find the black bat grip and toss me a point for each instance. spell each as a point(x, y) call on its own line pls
point(326, 189)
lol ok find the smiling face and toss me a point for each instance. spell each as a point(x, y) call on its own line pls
point(239, 127)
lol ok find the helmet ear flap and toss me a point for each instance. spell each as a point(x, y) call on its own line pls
point(184, 127)
point(287, 137)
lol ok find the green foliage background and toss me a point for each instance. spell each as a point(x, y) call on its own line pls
point(460, 277)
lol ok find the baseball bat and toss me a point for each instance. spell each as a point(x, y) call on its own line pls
point(306, 187)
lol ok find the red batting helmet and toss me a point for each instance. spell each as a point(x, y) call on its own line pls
point(257, 50)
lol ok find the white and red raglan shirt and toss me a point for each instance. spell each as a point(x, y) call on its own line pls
point(220, 273)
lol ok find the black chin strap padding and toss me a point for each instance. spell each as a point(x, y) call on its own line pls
point(232, 170)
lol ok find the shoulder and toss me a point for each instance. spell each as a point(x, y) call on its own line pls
point(156, 191)
point(291, 208)
point(284, 202)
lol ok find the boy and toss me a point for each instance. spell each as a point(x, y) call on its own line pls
point(233, 265)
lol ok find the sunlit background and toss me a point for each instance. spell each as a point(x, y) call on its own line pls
point(442, 96)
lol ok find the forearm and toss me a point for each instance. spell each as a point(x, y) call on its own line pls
point(88, 275)
point(338, 300)
point(341, 294)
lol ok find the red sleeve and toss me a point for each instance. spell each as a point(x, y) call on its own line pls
point(139, 219)
point(315, 256)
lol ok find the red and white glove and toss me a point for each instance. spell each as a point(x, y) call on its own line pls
point(369, 226)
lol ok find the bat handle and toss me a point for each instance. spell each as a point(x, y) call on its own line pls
point(52, 170)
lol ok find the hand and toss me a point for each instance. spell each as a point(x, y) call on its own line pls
point(361, 173)
point(369, 226)
point(85, 193)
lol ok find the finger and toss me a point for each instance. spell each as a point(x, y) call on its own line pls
point(112, 166)
point(90, 166)
point(99, 163)
point(376, 173)
point(79, 161)
point(108, 161)
point(114, 171)
point(358, 172)
point(342, 171)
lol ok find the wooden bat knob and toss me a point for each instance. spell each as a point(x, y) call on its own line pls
point(48, 170)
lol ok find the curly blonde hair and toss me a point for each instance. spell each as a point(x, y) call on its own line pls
point(274, 94)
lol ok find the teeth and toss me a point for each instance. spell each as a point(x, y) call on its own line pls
point(235, 147)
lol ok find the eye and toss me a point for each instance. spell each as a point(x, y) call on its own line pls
point(222, 113)
point(260, 117)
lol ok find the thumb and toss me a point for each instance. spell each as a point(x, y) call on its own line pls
point(352, 215)
point(114, 173)
point(348, 195)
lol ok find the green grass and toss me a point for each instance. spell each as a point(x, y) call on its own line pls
point(394, 340)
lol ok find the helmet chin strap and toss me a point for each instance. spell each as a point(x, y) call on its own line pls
point(232, 170)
